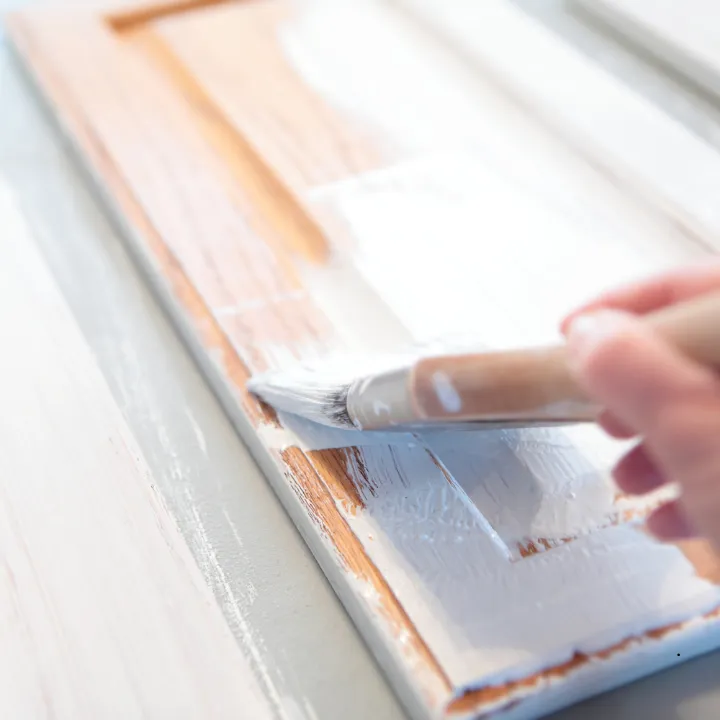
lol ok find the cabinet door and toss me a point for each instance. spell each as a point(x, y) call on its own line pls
point(331, 181)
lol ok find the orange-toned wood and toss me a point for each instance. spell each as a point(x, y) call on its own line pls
point(202, 214)
point(207, 144)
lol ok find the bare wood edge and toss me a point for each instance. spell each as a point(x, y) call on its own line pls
point(688, 639)
point(226, 376)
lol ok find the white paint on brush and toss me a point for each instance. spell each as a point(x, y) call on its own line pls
point(314, 390)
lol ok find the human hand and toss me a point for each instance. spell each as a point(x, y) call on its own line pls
point(651, 391)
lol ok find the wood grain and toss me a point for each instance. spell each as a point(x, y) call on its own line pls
point(212, 155)
point(226, 333)
point(104, 611)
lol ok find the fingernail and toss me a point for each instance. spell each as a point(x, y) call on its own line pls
point(586, 332)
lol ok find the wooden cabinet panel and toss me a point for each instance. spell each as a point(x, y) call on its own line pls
point(301, 181)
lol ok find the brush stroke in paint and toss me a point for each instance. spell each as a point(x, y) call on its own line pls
point(494, 230)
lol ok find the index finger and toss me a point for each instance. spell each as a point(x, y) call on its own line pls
point(656, 292)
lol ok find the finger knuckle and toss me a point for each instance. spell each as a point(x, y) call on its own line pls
point(703, 508)
point(610, 354)
point(686, 438)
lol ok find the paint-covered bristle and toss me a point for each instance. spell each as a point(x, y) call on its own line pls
point(319, 392)
point(307, 393)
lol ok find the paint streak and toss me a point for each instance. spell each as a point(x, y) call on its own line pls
point(486, 702)
point(410, 512)
point(353, 480)
point(197, 430)
point(234, 607)
point(447, 612)
point(183, 290)
point(364, 499)
point(318, 491)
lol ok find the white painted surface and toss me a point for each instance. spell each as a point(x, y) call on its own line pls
point(103, 611)
point(538, 228)
point(614, 128)
point(274, 596)
point(681, 694)
point(454, 245)
point(447, 547)
point(684, 35)
point(495, 226)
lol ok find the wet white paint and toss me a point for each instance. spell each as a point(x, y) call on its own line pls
point(487, 618)
point(298, 431)
point(482, 226)
point(471, 261)
point(318, 390)
point(528, 483)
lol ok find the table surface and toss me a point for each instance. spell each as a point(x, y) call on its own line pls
point(309, 658)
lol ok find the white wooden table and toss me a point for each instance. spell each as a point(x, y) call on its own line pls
point(310, 662)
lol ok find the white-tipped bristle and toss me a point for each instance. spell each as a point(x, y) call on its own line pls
point(319, 392)
point(304, 392)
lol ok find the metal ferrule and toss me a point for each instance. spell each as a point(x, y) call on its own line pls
point(382, 401)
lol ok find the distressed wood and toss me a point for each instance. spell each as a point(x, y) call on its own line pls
point(104, 611)
point(248, 186)
point(684, 38)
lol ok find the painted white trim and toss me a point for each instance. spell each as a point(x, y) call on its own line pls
point(614, 128)
point(103, 611)
point(684, 36)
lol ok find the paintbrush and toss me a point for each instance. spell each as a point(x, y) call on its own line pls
point(516, 387)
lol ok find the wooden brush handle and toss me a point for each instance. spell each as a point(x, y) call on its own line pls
point(536, 384)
